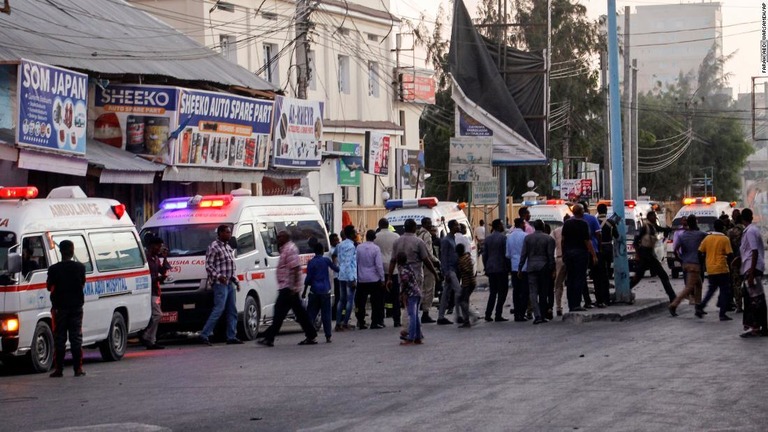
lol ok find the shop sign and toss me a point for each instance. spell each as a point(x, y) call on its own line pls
point(297, 133)
point(52, 110)
point(377, 145)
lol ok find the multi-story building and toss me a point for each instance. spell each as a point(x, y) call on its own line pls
point(668, 40)
point(352, 60)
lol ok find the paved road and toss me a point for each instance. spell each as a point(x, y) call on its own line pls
point(655, 373)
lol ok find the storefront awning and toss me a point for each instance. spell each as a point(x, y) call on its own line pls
point(119, 166)
point(197, 174)
point(50, 162)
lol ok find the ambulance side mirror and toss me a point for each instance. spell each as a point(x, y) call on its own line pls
point(14, 263)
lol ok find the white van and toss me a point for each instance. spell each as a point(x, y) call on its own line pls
point(707, 210)
point(117, 289)
point(551, 212)
point(188, 226)
point(441, 212)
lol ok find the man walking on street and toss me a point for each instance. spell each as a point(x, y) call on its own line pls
point(428, 291)
point(514, 250)
point(497, 269)
point(449, 267)
point(734, 235)
point(346, 252)
point(385, 240)
point(66, 280)
point(645, 245)
point(480, 236)
point(288, 294)
point(220, 265)
point(578, 255)
point(370, 281)
point(539, 254)
point(557, 234)
point(686, 248)
point(752, 254)
point(716, 250)
point(157, 274)
point(320, 289)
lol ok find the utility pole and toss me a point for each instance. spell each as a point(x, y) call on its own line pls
point(620, 264)
point(302, 48)
point(633, 118)
point(627, 110)
point(606, 192)
point(567, 148)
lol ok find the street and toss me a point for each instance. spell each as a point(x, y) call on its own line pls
point(650, 373)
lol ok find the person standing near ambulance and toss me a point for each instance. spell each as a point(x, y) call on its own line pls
point(220, 265)
point(66, 280)
point(157, 273)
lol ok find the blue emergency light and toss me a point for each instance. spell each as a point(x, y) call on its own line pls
point(410, 203)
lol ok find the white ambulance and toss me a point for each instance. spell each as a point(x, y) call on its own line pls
point(117, 289)
point(707, 210)
point(188, 226)
point(551, 212)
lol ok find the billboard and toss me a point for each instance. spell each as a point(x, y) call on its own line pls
point(470, 159)
point(410, 169)
point(469, 126)
point(136, 118)
point(222, 130)
point(297, 133)
point(377, 145)
point(417, 88)
point(576, 189)
point(348, 167)
point(485, 192)
point(52, 110)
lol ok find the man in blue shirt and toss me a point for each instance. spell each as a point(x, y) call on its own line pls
point(346, 252)
point(514, 251)
point(320, 289)
point(599, 278)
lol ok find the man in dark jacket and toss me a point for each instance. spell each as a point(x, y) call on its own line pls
point(66, 280)
point(497, 269)
point(157, 272)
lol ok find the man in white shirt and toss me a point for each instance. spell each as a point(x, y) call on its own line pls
point(385, 239)
point(462, 238)
point(480, 240)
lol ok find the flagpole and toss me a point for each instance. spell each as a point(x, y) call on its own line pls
point(620, 264)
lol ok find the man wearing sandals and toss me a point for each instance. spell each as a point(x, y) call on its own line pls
point(752, 253)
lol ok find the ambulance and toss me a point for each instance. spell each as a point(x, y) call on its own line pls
point(117, 289)
point(707, 210)
point(551, 212)
point(441, 212)
point(188, 226)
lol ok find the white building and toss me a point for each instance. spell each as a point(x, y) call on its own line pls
point(352, 62)
point(669, 39)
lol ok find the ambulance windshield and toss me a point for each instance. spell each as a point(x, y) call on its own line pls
point(7, 242)
point(183, 240)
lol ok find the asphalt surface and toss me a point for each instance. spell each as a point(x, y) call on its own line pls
point(650, 373)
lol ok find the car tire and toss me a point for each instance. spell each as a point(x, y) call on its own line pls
point(41, 353)
point(251, 318)
point(114, 347)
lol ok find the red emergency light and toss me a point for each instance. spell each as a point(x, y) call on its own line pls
point(630, 203)
point(215, 201)
point(410, 203)
point(118, 210)
point(24, 192)
point(699, 200)
point(555, 202)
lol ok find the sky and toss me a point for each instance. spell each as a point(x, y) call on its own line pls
point(738, 37)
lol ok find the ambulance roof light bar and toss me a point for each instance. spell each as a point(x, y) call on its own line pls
point(410, 203)
point(630, 203)
point(207, 201)
point(699, 200)
point(23, 192)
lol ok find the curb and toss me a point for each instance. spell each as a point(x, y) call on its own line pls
point(640, 308)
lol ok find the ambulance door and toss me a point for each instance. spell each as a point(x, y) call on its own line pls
point(266, 265)
point(250, 272)
point(34, 274)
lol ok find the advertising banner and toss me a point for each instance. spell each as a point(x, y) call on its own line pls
point(485, 192)
point(136, 118)
point(298, 133)
point(470, 159)
point(377, 145)
point(410, 169)
point(417, 88)
point(469, 126)
point(347, 167)
point(222, 130)
point(576, 189)
point(52, 107)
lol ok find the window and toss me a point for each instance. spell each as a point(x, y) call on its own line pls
point(184, 240)
point(312, 68)
point(116, 251)
point(81, 250)
point(7, 245)
point(342, 31)
point(33, 255)
point(225, 6)
point(303, 233)
point(228, 45)
point(373, 37)
point(271, 71)
point(373, 79)
point(344, 84)
point(245, 240)
point(271, 16)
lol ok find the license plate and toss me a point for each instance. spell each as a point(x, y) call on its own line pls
point(170, 317)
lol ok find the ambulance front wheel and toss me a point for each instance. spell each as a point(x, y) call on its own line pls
point(251, 318)
point(41, 354)
point(113, 348)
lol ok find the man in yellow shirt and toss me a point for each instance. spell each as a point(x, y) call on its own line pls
point(717, 252)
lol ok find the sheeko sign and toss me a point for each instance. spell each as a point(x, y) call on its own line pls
point(52, 107)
